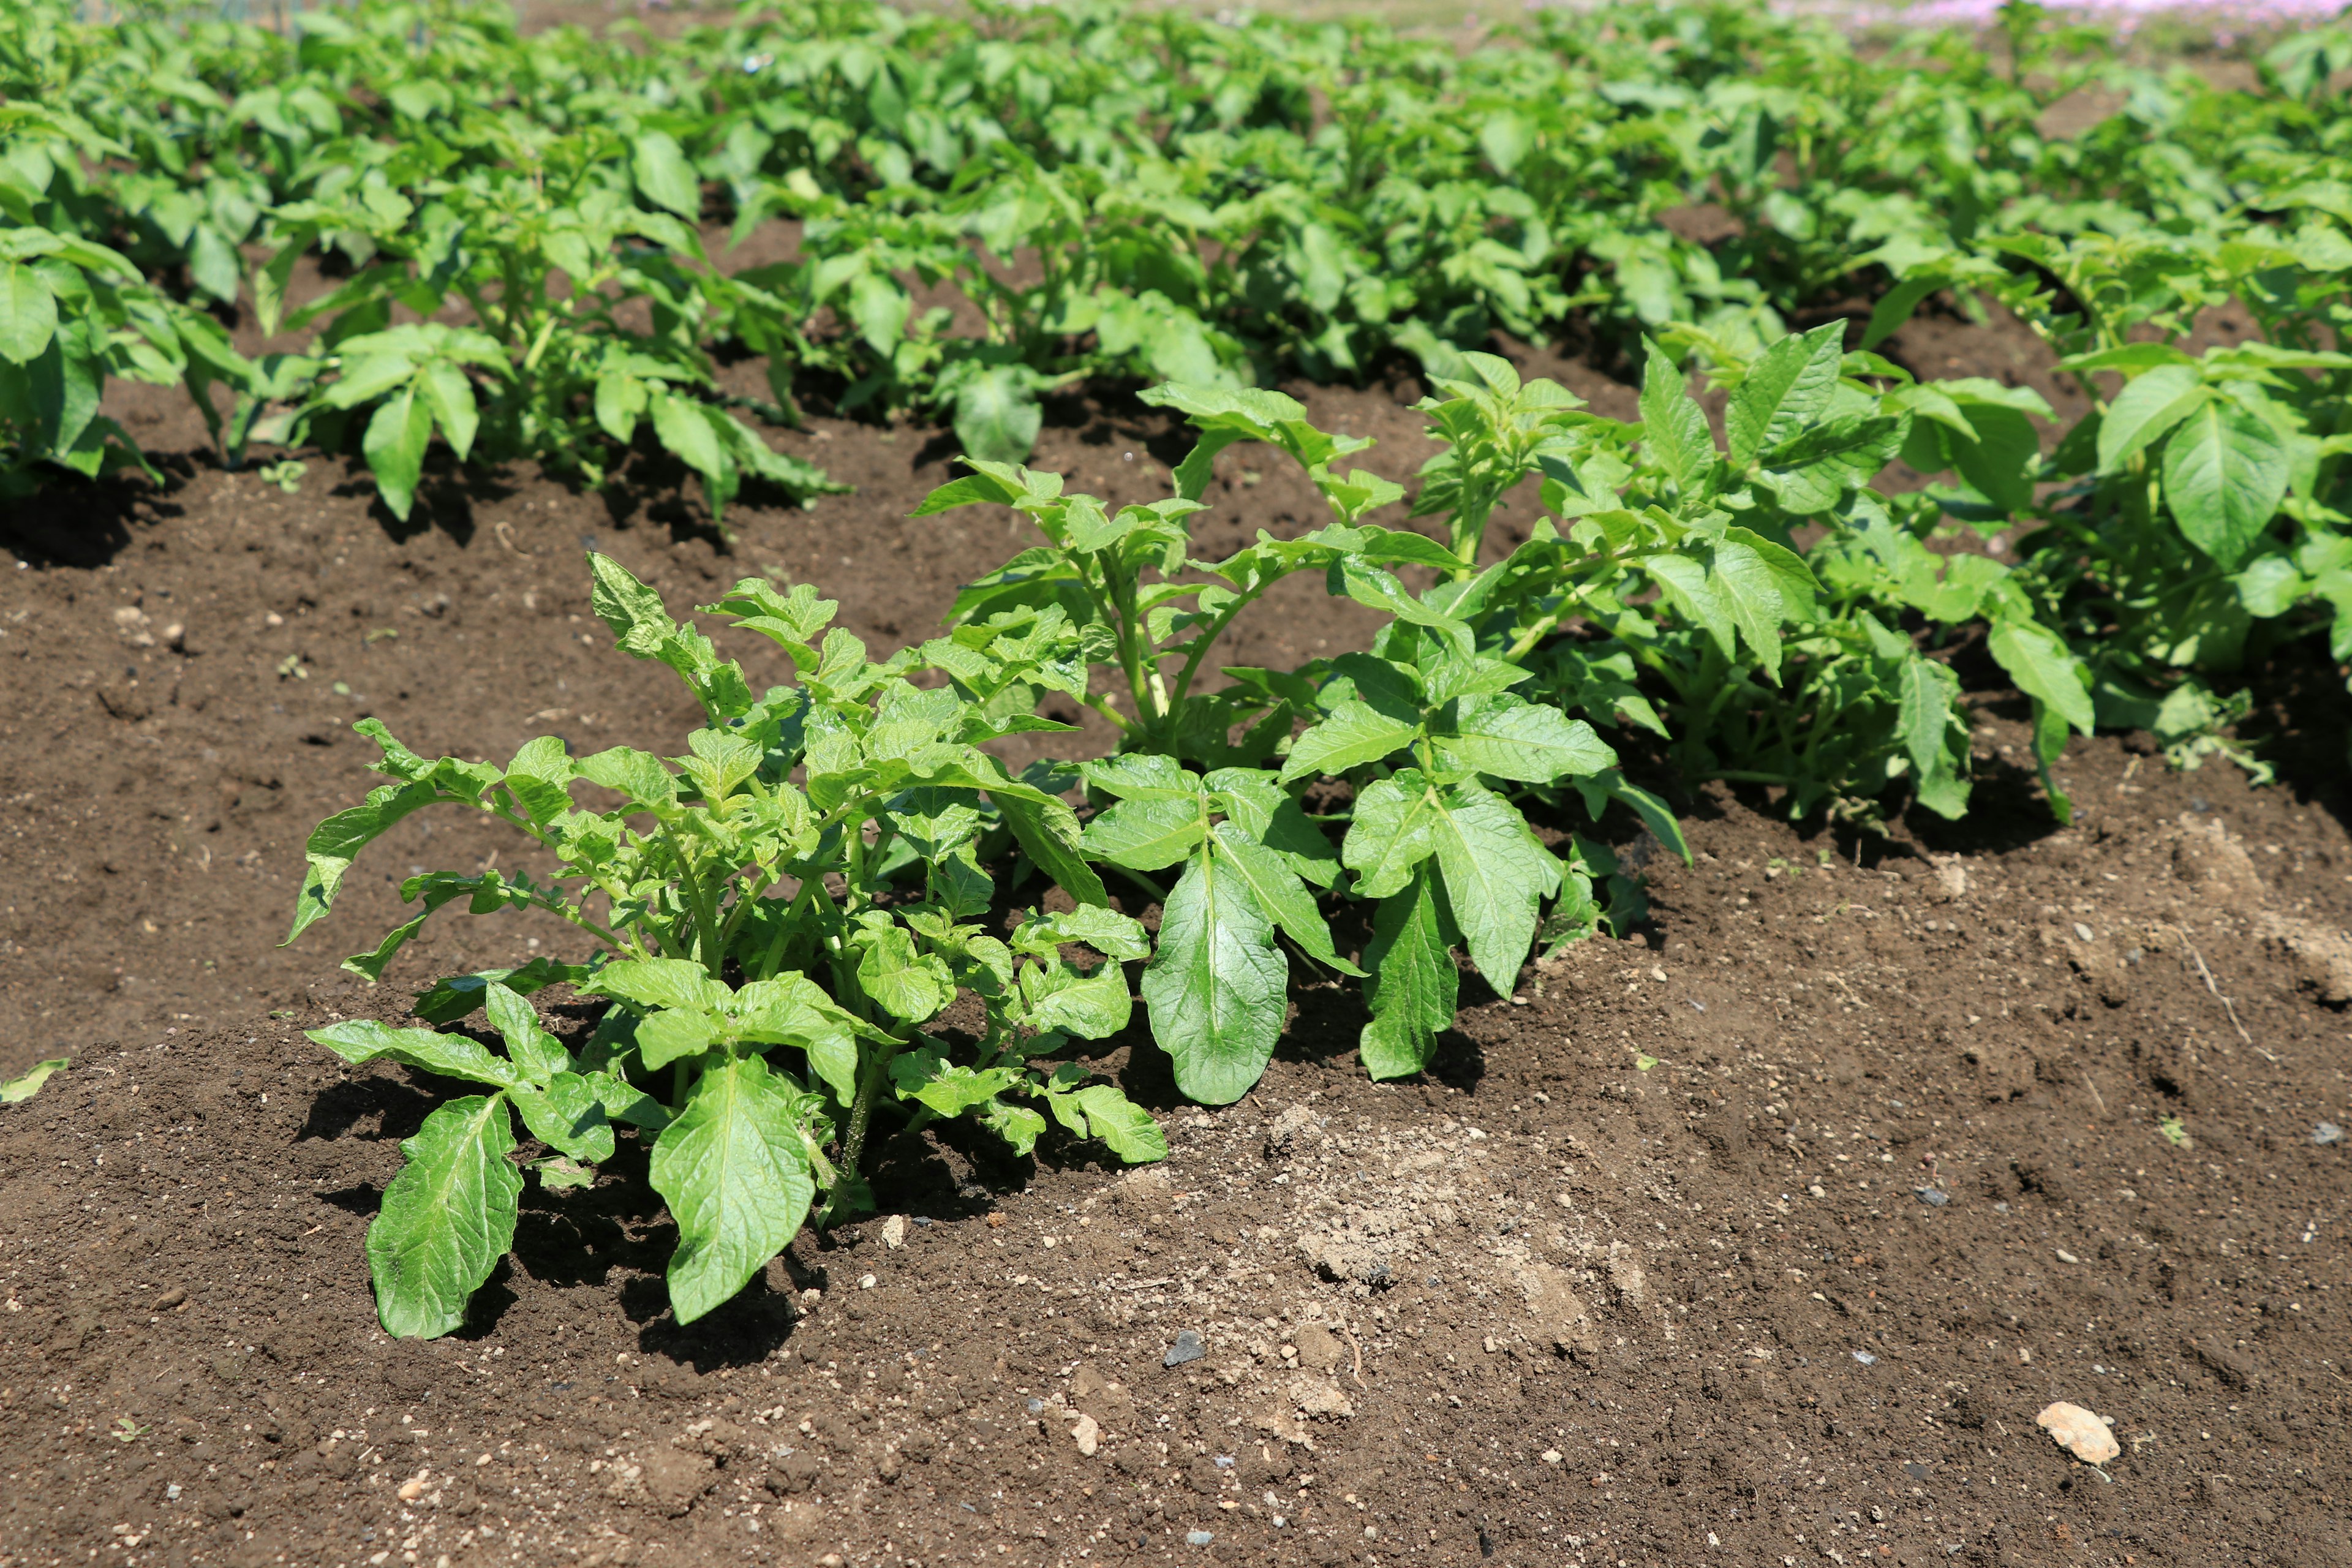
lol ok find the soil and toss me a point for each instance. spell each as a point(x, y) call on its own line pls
point(1761, 1238)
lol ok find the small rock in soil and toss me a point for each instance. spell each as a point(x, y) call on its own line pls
point(2326, 1133)
point(1933, 1198)
point(1188, 1347)
point(1199, 1537)
point(1865, 1358)
point(1916, 1471)
point(894, 1231)
point(1088, 1434)
point(2079, 1432)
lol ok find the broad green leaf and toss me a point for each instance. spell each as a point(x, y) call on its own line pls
point(792, 1010)
point(663, 176)
point(1783, 392)
point(674, 1035)
point(651, 983)
point(1394, 830)
point(2145, 410)
point(24, 1087)
point(1108, 932)
point(1048, 831)
point(362, 1040)
point(908, 984)
point(446, 1218)
point(395, 448)
point(1923, 705)
point(1281, 894)
point(1218, 986)
point(2001, 463)
point(28, 313)
point(996, 415)
point(948, 1089)
point(1674, 427)
point(536, 1053)
point(640, 776)
point(1355, 733)
point(450, 396)
point(1016, 1124)
point(1751, 591)
point(1125, 1127)
point(1497, 873)
point(2225, 472)
point(1511, 738)
point(734, 1170)
point(2044, 669)
point(568, 1116)
point(683, 426)
point(1091, 1006)
point(1146, 833)
point(1414, 987)
point(1136, 775)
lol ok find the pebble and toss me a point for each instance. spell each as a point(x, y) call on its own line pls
point(1088, 1434)
point(894, 1231)
point(2066, 1256)
point(1199, 1537)
point(2326, 1133)
point(2079, 1432)
point(1188, 1347)
point(1933, 1198)
point(1916, 1471)
point(1865, 1358)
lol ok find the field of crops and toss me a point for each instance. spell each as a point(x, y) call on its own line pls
point(1334, 667)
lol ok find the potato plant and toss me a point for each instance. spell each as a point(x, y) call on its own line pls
point(772, 989)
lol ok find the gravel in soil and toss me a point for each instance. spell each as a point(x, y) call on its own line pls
point(1762, 1238)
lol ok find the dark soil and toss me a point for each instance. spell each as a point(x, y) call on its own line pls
point(1651, 1270)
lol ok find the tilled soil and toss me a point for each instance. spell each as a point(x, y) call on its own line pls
point(1760, 1240)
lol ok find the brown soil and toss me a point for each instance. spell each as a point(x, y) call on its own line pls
point(1549, 1305)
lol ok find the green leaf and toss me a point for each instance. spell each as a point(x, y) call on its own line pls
point(568, 1116)
point(1414, 987)
point(1218, 986)
point(335, 843)
point(675, 1035)
point(1125, 1127)
point(1393, 829)
point(1048, 831)
point(996, 415)
point(1498, 874)
point(1280, 893)
point(1016, 1124)
point(29, 1085)
point(1674, 427)
point(1783, 393)
point(450, 396)
point(908, 984)
point(394, 449)
point(1355, 733)
point(734, 1170)
point(663, 176)
point(2044, 669)
point(1922, 706)
point(446, 1218)
point(1509, 737)
point(1091, 1006)
point(363, 1040)
point(536, 1053)
point(1147, 833)
point(650, 983)
point(2225, 472)
point(28, 313)
point(2145, 410)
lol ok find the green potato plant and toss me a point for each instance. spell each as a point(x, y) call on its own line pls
point(773, 986)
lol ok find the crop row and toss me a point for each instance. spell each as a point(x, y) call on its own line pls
point(510, 236)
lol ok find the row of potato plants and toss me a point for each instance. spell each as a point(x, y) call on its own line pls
point(515, 224)
point(779, 919)
point(1188, 214)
